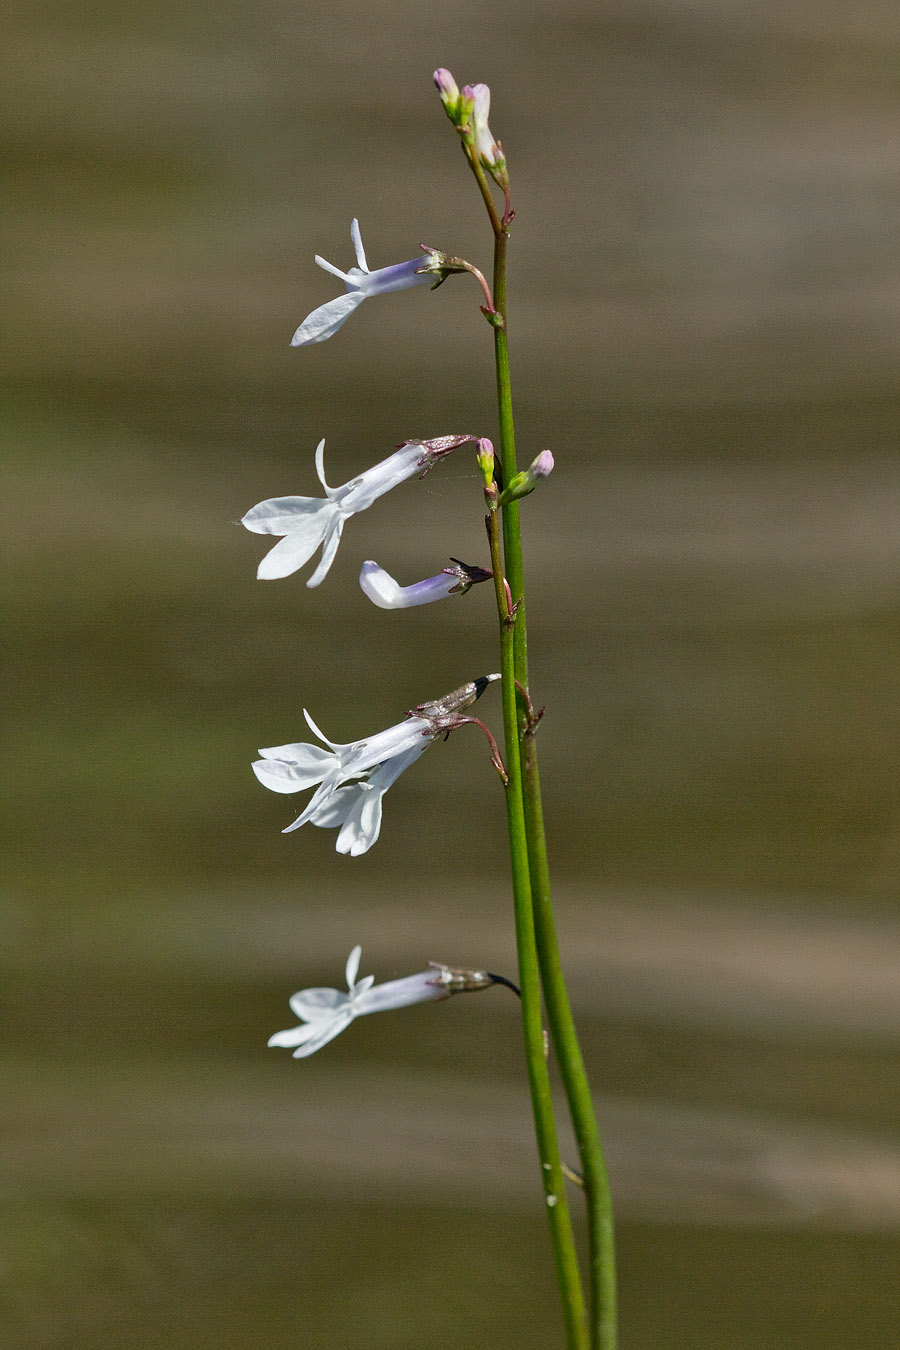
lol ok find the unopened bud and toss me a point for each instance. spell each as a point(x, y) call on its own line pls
point(484, 458)
point(446, 86)
point(489, 150)
point(527, 481)
point(457, 105)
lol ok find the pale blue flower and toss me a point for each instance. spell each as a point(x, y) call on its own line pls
point(360, 284)
point(307, 522)
point(325, 1013)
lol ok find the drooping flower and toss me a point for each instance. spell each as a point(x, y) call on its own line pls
point(350, 780)
point(307, 522)
point(386, 593)
point(325, 1013)
point(360, 284)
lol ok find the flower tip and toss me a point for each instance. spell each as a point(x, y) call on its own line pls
point(445, 83)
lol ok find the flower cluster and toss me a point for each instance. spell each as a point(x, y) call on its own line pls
point(349, 780)
point(468, 109)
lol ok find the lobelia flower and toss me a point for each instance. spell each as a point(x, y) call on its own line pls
point(351, 780)
point(360, 284)
point(386, 593)
point(324, 1013)
point(307, 522)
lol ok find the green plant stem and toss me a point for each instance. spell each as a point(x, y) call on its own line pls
point(561, 1233)
point(601, 1234)
point(601, 1256)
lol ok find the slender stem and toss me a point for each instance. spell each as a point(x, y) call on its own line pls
point(601, 1235)
point(562, 1236)
point(484, 186)
point(601, 1257)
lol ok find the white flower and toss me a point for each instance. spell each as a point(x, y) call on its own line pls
point(386, 593)
point(360, 283)
point(324, 1013)
point(352, 779)
point(307, 522)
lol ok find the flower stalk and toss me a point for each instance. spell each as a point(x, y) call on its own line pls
point(561, 1231)
point(349, 780)
point(522, 767)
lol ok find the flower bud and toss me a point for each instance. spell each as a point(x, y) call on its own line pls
point(484, 458)
point(489, 150)
point(457, 105)
point(527, 481)
point(447, 88)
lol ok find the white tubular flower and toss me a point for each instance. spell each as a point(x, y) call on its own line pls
point(339, 799)
point(307, 522)
point(386, 593)
point(360, 284)
point(351, 780)
point(324, 1013)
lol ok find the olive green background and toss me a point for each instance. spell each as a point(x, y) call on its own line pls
point(705, 328)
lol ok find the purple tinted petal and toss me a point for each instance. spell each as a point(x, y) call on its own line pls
point(422, 988)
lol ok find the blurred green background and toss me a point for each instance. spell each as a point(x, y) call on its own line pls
point(705, 327)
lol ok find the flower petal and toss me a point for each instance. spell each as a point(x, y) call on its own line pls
point(334, 812)
point(308, 758)
point(325, 1032)
point(327, 319)
point(363, 824)
point(352, 968)
point(281, 515)
point(296, 771)
point(330, 267)
point(296, 548)
point(295, 1035)
point(358, 249)
point(320, 468)
point(311, 1005)
point(322, 794)
point(329, 549)
point(335, 745)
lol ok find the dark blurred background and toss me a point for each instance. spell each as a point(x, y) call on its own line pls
point(705, 328)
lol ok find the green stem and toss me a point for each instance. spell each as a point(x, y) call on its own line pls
point(601, 1268)
point(601, 1236)
point(561, 1234)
